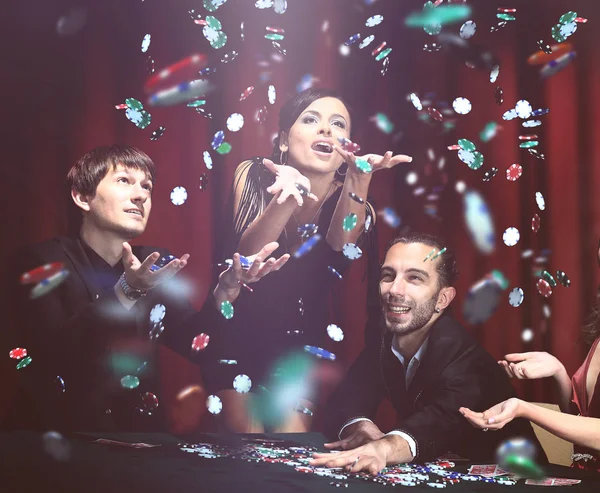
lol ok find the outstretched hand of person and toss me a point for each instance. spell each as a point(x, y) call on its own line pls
point(289, 182)
point(376, 161)
point(495, 417)
point(532, 365)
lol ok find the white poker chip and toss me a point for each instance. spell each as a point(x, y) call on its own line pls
point(352, 251)
point(272, 94)
point(157, 313)
point(468, 29)
point(46, 285)
point(368, 222)
point(568, 29)
point(242, 383)
point(374, 20)
point(531, 123)
point(279, 6)
point(412, 178)
point(460, 186)
point(494, 73)
point(466, 157)
point(179, 196)
point(462, 106)
point(335, 333)
point(515, 297)
point(207, 160)
point(344, 50)
point(134, 116)
point(235, 122)
point(263, 4)
point(146, 43)
point(511, 236)
point(527, 335)
point(57, 446)
point(541, 202)
point(523, 109)
point(416, 101)
point(214, 404)
point(210, 34)
point(366, 42)
point(509, 115)
point(436, 485)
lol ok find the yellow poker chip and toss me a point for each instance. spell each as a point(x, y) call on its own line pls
point(541, 57)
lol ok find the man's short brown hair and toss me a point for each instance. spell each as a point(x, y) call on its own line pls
point(88, 172)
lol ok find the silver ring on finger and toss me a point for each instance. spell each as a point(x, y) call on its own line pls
point(355, 462)
point(485, 429)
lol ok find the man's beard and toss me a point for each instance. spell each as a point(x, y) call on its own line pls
point(420, 316)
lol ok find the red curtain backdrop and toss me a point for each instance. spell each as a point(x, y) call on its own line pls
point(60, 92)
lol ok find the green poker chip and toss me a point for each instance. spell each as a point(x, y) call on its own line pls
point(134, 104)
point(556, 35)
point(212, 5)
point(219, 41)
point(506, 17)
point(529, 144)
point(478, 161)
point(145, 120)
point(224, 148)
point(433, 29)
point(213, 22)
point(274, 36)
point(548, 277)
point(363, 165)
point(195, 104)
point(568, 17)
point(383, 54)
point(24, 362)
point(350, 222)
point(467, 145)
point(227, 310)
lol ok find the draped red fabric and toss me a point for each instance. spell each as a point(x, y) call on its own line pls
point(60, 93)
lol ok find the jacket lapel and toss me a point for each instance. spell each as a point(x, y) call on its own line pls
point(74, 251)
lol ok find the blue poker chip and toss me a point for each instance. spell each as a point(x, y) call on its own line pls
point(162, 262)
point(319, 352)
point(352, 39)
point(540, 112)
point(217, 140)
point(246, 263)
point(307, 246)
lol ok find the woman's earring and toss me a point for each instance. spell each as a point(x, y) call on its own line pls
point(341, 166)
point(281, 161)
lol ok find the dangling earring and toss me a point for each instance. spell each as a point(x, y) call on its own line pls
point(281, 161)
point(344, 173)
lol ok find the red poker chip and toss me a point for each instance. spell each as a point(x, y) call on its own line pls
point(18, 353)
point(536, 222)
point(200, 342)
point(454, 147)
point(377, 50)
point(277, 30)
point(249, 90)
point(185, 69)
point(435, 114)
point(528, 137)
point(544, 288)
point(514, 172)
point(40, 273)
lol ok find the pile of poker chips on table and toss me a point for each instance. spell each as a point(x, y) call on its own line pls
point(435, 474)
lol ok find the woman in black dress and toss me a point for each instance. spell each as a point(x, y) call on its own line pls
point(314, 188)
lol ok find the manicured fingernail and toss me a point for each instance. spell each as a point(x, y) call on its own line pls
point(410, 159)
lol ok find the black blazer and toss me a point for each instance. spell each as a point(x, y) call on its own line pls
point(456, 371)
point(85, 336)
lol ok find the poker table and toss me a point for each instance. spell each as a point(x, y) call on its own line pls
point(108, 467)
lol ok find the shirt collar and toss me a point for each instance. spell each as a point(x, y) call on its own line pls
point(418, 355)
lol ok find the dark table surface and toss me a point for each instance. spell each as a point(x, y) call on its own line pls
point(91, 467)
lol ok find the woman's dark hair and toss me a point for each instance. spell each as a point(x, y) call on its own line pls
point(446, 268)
point(591, 330)
point(293, 108)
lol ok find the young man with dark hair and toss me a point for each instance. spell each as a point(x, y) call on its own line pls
point(91, 338)
point(427, 364)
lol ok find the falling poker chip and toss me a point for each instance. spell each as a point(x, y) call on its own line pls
point(462, 106)
point(18, 353)
point(498, 95)
point(511, 236)
point(335, 333)
point(494, 73)
point(224, 148)
point(261, 115)
point(366, 42)
point(363, 165)
point(350, 222)
point(57, 446)
point(214, 404)
point(352, 251)
point(46, 285)
point(509, 115)
point(352, 39)
point(390, 217)
point(217, 139)
point(26, 361)
point(203, 182)
point(527, 335)
point(207, 159)
point(148, 403)
point(435, 114)
point(272, 94)
point(563, 278)
point(40, 273)
point(432, 47)
point(157, 314)
point(523, 109)
point(488, 175)
point(416, 101)
point(235, 122)
point(531, 123)
point(242, 383)
point(227, 309)
point(478, 219)
point(535, 223)
point(133, 115)
point(481, 301)
point(374, 20)
point(334, 272)
point(72, 22)
point(146, 43)
point(516, 297)
point(539, 198)
point(158, 133)
point(219, 41)
point(130, 382)
point(467, 30)
point(178, 196)
point(544, 288)
point(548, 277)
point(467, 145)
point(319, 352)
point(514, 172)
point(229, 57)
point(568, 29)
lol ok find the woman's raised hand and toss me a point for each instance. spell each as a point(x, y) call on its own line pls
point(290, 182)
point(376, 161)
point(532, 365)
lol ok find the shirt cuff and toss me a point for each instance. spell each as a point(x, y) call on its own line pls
point(410, 440)
point(351, 422)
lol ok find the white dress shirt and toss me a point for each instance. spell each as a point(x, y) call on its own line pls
point(409, 372)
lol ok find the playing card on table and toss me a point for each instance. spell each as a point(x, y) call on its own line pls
point(553, 482)
point(105, 441)
point(488, 470)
